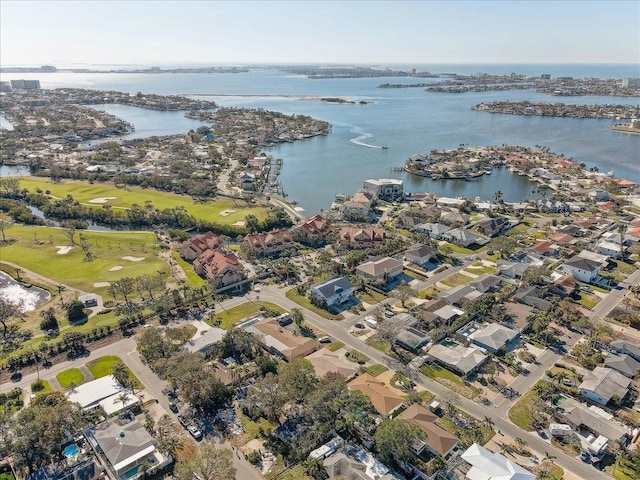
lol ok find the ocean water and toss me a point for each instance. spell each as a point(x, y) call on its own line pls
point(407, 121)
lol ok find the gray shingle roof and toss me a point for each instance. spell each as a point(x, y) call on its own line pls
point(328, 289)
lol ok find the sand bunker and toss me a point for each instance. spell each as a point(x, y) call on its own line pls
point(239, 223)
point(133, 259)
point(101, 284)
point(63, 250)
point(101, 199)
point(115, 268)
point(226, 213)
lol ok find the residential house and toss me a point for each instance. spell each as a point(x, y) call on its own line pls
point(266, 244)
point(356, 464)
point(280, 341)
point(458, 358)
point(380, 271)
point(491, 227)
point(325, 361)
point(357, 207)
point(246, 180)
point(335, 291)
point(448, 314)
point(455, 295)
point(89, 300)
point(383, 399)
point(434, 230)
point(311, 231)
point(461, 237)
point(412, 339)
point(103, 392)
point(562, 239)
point(486, 465)
point(455, 218)
point(196, 246)
point(625, 364)
point(203, 341)
point(485, 283)
point(564, 286)
point(384, 188)
point(514, 270)
point(610, 249)
point(603, 385)
point(361, 237)
point(593, 420)
point(544, 248)
point(125, 447)
point(622, 346)
point(532, 296)
point(420, 254)
point(582, 269)
point(491, 337)
point(221, 269)
point(437, 440)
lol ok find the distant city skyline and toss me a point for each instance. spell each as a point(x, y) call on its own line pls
point(352, 32)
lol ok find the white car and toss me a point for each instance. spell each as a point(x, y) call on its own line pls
point(195, 433)
point(324, 339)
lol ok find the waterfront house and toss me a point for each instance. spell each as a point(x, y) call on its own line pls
point(389, 189)
point(603, 385)
point(357, 207)
point(267, 244)
point(437, 440)
point(311, 231)
point(361, 237)
point(335, 291)
point(380, 271)
point(455, 218)
point(420, 254)
point(222, 269)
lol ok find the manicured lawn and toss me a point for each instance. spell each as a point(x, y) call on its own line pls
point(375, 370)
point(252, 429)
point(84, 192)
point(457, 279)
point(35, 249)
point(103, 366)
point(436, 372)
point(334, 346)
point(304, 302)
point(377, 343)
point(193, 279)
point(46, 387)
point(234, 315)
point(481, 269)
point(67, 377)
point(456, 248)
point(521, 412)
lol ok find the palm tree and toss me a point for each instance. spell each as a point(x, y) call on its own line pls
point(488, 423)
point(61, 288)
point(315, 469)
point(521, 443)
point(548, 459)
point(124, 397)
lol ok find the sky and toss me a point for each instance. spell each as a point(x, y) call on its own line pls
point(353, 32)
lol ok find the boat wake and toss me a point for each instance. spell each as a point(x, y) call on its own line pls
point(359, 141)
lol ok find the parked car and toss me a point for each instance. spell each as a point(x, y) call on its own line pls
point(173, 407)
point(195, 433)
point(324, 339)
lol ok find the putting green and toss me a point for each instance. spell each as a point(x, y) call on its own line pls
point(85, 192)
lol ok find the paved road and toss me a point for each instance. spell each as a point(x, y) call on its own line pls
point(337, 330)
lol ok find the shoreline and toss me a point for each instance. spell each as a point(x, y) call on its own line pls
point(617, 128)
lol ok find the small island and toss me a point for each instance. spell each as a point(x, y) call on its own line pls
point(607, 111)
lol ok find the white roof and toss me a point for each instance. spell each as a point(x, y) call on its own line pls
point(90, 394)
point(486, 465)
point(113, 404)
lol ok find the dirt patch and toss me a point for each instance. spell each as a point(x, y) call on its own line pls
point(101, 199)
point(133, 259)
point(63, 250)
point(115, 268)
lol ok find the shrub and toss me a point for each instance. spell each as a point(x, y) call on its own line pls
point(254, 457)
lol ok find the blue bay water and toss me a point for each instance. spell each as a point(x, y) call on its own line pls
point(407, 121)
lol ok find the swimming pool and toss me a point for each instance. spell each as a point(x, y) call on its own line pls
point(71, 450)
